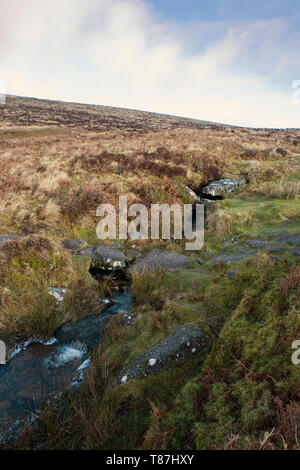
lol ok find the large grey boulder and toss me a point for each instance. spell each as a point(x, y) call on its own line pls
point(160, 259)
point(183, 342)
point(108, 258)
point(105, 257)
point(222, 187)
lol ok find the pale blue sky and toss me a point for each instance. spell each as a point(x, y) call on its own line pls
point(214, 10)
point(222, 60)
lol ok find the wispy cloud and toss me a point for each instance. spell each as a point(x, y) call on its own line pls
point(121, 53)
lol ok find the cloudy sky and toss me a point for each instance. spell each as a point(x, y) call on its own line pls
point(221, 60)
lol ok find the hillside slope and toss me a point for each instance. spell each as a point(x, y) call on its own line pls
point(240, 294)
point(20, 111)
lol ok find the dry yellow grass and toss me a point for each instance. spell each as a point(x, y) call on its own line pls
point(56, 150)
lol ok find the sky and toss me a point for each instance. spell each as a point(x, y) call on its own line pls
point(230, 61)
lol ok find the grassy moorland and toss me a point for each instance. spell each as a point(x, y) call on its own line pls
point(58, 163)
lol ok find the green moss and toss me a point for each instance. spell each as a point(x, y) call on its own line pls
point(248, 374)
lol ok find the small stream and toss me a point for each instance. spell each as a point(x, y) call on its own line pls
point(40, 371)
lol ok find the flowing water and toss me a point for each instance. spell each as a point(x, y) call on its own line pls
point(39, 371)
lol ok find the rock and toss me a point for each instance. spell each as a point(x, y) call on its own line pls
point(105, 257)
point(159, 259)
point(128, 318)
point(193, 194)
point(257, 243)
point(245, 251)
point(291, 239)
point(58, 293)
point(276, 259)
point(226, 258)
point(208, 203)
point(230, 274)
point(88, 251)
point(74, 244)
point(117, 244)
point(132, 255)
point(275, 248)
point(295, 251)
point(231, 240)
point(222, 187)
point(106, 302)
point(200, 261)
point(9, 236)
point(176, 348)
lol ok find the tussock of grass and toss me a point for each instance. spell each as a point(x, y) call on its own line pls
point(278, 190)
point(223, 223)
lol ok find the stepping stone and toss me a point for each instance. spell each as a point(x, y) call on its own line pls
point(226, 258)
point(183, 342)
point(231, 240)
point(160, 259)
point(244, 251)
point(257, 243)
point(291, 239)
point(275, 248)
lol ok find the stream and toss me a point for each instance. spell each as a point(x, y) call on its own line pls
point(40, 371)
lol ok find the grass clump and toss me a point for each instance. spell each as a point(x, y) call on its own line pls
point(278, 190)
